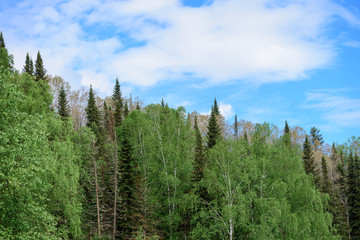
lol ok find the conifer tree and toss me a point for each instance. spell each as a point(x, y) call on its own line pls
point(40, 71)
point(216, 108)
point(118, 104)
point(316, 138)
point(325, 183)
point(354, 196)
point(213, 133)
point(137, 106)
point(127, 189)
point(92, 112)
point(308, 158)
point(126, 109)
point(29, 65)
point(63, 105)
point(2, 41)
point(236, 132)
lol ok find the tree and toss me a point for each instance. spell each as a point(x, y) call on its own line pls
point(216, 108)
point(316, 138)
point(287, 135)
point(6, 60)
point(40, 71)
point(92, 112)
point(354, 196)
point(199, 160)
point(29, 65)
point(325, 181)
point(309, 162)
point(117, 100)
point(236, 132)
point(63, 104)
point(213, 133)
point(126, 109)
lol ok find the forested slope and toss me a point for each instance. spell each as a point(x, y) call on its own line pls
point(116, 169)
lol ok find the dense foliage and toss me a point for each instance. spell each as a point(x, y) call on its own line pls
point(153, 172)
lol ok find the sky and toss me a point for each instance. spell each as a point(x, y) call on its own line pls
point(264, 60)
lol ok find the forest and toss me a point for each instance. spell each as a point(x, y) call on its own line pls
point(76, 166)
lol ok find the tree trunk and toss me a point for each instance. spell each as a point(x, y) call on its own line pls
point(97, 193)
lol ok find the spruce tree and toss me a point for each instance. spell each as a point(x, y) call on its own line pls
point(29, 65)
point(2, 41)
point(236, 132)
point(127, 189)
point(213, 133)
point(216, 108)
point(126, 109)
point(354, 196)
point(118, 104)
point(92, 112)
point(63, 105)
point(40, 71)
point(308, 158)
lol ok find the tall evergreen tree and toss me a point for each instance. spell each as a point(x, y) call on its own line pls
point(354, 196)
point(29, 65)
point(308, 158)
point(213, 133)
point(126, 109)
point(127, 187)
point(236, 131)
point(118, 104)
point(2, 41)
point(137, 106)
point(287, 134)
point(216, 108)
point(40, 71)
point(92, 112)
point(316, 138)
point(6, 60)
point(63, 104)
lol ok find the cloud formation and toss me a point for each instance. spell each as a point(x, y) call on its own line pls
point(337, 109)
point(147, 41)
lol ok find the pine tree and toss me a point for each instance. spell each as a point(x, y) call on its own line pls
point(92, 112)
point(354, 196)
point(137, 106)
point(213, 133)
point(40, 72)
point(29, 65)
point(308, 159)
point(118, 104)
point(63, 105)
point(216, 108)
point(316, 138)
point(6, 60)
point(236, 131)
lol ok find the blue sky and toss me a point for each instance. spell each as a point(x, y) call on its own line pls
point(265, 60)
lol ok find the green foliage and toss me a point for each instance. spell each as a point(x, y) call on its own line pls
point(29, 65)
point(287, 135)
point(213, 134)
point(63, 104)
point(6, 60)
point(216, 108)
point(316, 137)
point(92, 112)
point(199, 157)
point(117, 100)
point(40, 71)
point(354, 196)
point(309, 162)
point(236, 131)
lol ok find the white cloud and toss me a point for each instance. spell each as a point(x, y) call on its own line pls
point(226, 110)
point(256, 41)
point(338, 110)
